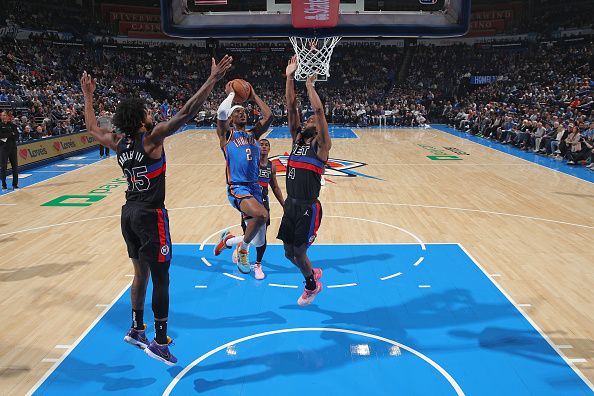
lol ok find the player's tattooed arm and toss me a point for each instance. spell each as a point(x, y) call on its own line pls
point(292, 113)
point(323, 136)
point(103, 136)
point(275, 187)
point(192, 106)
point(264, 123)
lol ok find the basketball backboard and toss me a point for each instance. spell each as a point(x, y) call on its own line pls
point(277, 18)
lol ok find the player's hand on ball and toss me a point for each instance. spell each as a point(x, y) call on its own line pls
point(88, 84)
point(229, 87)
point(218, 70)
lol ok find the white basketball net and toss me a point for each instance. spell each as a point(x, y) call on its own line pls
point(313, 56)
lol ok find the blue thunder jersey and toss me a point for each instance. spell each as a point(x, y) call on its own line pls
point(242, 153)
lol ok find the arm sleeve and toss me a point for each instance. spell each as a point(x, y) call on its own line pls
point(223, 111)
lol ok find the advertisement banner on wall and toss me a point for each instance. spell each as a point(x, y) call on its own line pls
point(46, 149)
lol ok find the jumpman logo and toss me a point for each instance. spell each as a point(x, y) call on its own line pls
point(306, 213)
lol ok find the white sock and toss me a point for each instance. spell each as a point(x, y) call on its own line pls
point(234, 241)
point(244, 246)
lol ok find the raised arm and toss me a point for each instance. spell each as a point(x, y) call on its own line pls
point(191, 108)
point(223, 114)
point(264, 122)
point(292, 113)
point(103, 136)
point(275, 187)
point(323, 136)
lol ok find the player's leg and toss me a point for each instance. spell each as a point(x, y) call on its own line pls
point(305, 234)
point(159, 347)
point(156, 253)
point(137, 334)
point(257, 214)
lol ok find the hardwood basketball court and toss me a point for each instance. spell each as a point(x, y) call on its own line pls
point(530, 228)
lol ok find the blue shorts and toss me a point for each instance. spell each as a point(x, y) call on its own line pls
point(238, 192)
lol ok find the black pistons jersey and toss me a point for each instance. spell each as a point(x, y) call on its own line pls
point(146, 176)
point(304, 171)
point(264, 178)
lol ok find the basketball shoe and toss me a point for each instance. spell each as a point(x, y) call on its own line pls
point(137, 338)
point(243, 260)
point(161, 352)
point(258, 272)
point(222, 245)
point(309, 295)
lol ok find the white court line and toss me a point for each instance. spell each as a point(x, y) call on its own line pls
point(62, 346)
point(233, 276)
point(424, 286)
point(205, 261)
point(525, 305)
point(285, 286)
point(502, 152)
point(418, 354)
point(462, 210)
point(565, 346)
point(495, 275)
point(419, 261)
point(391, 276)
point(343, 285)
point(83, 335)
point(577, 360)
point(385, 224)
point(521, 311)
point(102, 305)
point(50, 360)
point(7, 204)
point(50, 171)
point(200, 287)
point(129, 275)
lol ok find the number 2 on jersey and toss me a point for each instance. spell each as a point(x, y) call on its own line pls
point(248, 154)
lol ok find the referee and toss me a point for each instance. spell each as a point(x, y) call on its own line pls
point(8, 150)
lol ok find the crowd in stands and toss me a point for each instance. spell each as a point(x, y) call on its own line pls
point(544, 91)
point(543, 105)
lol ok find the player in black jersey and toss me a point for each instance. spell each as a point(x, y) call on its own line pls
point(305, 167)
point(266, 178)
point(144, 220)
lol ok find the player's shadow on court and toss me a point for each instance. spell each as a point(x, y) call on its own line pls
point(49, 270)
point(111, 377)
point(190, 321)
point(301, 360)
point(452, 307)
point(528, 344)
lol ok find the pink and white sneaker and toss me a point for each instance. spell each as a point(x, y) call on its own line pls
point(318, 273)
point(309, 295)
point(258, 272)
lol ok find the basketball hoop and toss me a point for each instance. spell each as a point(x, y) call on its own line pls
point(313, 56)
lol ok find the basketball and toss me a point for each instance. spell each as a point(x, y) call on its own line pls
point(242, 90)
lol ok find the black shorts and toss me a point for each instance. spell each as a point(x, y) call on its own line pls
point(300, 223)
point(266, 205)
point(146, 232)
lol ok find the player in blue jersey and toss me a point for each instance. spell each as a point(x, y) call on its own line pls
point(242, 154)
point(144, 219)
point(267, 181)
